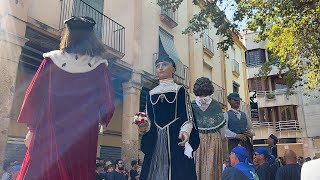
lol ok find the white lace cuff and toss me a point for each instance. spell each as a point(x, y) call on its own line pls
point(187, 127)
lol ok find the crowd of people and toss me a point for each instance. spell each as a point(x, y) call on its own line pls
point(266, 165)
point(11, 170)
point(117, 170)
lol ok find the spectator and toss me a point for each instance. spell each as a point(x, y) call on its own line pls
point(310, 170)
point(101, 161)
point(109, 167)
point(15, 171)
point(134, 170)
point(272, 142)
point(264, 171)
point(99, 168)
point(98, 160)
point(292, 170)
point(282, 161)
point(7, 171)
point(300, 160)
point(118, 173)
point(255, 162)
point(240, 170)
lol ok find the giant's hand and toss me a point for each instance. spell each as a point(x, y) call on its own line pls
point(242, 137)
point(249, 134)
point(184, 138)
point(143, 128)
point(28, 139)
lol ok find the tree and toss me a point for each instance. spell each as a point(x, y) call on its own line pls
point(292, 28)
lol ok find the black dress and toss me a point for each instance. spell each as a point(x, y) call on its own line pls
point(168, 109)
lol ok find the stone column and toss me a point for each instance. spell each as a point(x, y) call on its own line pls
point(9, 58)
point(131, 104)
point(12, 29)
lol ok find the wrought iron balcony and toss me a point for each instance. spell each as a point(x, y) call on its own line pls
point(180, 76)
point(207, 43)
point(111, 33)
point(169, 16)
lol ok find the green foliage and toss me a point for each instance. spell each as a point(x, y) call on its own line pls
point(292, 28)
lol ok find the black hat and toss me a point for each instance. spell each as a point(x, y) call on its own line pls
point(84, 23)
point(166, 59)
point(275, 139)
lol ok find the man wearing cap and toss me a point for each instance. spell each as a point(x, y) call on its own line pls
point(70, 94)
point(264, 171)
point(272, 142)
point(240, 167)
point(238, 128)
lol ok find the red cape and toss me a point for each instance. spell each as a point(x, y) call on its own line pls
point(64, 109)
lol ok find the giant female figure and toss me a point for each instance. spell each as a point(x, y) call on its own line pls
point(171, 135)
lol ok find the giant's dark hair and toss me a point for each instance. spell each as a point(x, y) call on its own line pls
point(203, 87)
point(83, 42)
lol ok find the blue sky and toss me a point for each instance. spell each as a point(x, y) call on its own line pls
point(229, 10)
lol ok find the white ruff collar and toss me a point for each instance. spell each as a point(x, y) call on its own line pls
point(73, 63)
point(166, 85)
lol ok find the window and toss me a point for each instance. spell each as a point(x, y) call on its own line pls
point(235, 86)
point(288, 113)
point(258, 84)
point(281, 86)
point(207, 71)
point(255, 57)
point(207, 43)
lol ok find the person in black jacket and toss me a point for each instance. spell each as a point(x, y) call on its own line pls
point(292, 170)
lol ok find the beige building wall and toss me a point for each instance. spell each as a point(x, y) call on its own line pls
point(237, 53)
point(48, 14)
point(13, 15)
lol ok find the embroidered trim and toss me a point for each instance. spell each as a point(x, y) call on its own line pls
point(171, 122)
point(163, 96)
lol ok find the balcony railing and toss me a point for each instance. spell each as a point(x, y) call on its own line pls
point(111, 33)
point(180, 76)
point(280, 125)
point(169, 16)
point(262, 124)
point(287, 125)
point(207, 43)
point(219, 94)
point(278, 97)
point(235, 66)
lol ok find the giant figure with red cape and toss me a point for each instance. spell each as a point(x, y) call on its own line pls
point(69, 96)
